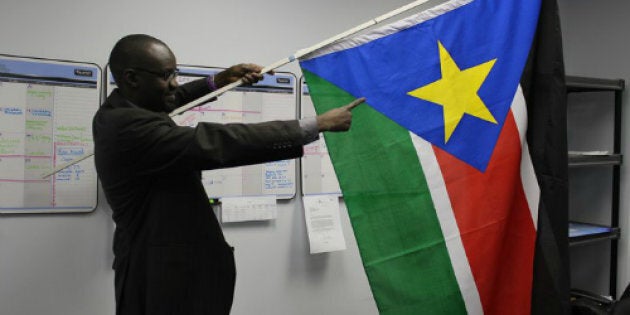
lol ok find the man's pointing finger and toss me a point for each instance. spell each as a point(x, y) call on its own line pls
point(355, 103)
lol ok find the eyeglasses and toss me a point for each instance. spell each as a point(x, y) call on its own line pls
point(166, 75)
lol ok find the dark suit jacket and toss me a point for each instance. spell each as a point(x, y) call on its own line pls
point(170, 253)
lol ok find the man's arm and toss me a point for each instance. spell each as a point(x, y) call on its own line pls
point(186, 93)
point(158, 145)
point(191, 91)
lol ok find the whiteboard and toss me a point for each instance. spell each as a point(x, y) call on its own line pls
point(273, 98)
point(318, 174)
point(46, 110)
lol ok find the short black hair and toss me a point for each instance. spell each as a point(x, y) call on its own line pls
point(128, 51)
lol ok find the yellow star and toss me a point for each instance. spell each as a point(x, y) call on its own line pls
point(456, 91)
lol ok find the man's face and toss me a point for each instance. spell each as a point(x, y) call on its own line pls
point(156, 79)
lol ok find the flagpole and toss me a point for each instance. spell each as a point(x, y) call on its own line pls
point(300, 53)
point(297, 55)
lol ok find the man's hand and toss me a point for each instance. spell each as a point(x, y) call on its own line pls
point(338, 119)
point(249, 72)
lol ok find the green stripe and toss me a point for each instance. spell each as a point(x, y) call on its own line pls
point(390, 207)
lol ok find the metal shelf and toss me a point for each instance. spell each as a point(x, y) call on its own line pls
point(590, 160)
point(584, 233)
point(584, 84)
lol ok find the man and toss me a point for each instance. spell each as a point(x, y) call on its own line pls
point(170, 253)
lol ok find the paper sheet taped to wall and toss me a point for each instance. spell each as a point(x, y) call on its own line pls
point(323, 223)
point(240, 209)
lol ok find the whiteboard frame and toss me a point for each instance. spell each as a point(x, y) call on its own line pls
point(187, 69)
point(337, 193)
point(99, 91)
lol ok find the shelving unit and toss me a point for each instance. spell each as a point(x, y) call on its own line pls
point(584, 232)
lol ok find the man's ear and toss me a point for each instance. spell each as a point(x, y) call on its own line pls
point(130, 78)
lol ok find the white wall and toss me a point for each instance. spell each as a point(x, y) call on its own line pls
point(61, 264)
point(596, 44)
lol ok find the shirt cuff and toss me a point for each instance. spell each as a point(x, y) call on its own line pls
point(310, 132)
point(211, 84)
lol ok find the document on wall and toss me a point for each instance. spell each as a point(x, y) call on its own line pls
point(323, 223)
point(240, 209)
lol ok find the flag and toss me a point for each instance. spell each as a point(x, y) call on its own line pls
point(436, 172)
point(544, 88)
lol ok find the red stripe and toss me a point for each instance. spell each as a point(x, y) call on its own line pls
point(495, 223)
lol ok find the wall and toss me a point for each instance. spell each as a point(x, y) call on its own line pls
point(596, 45)
point(61, 264)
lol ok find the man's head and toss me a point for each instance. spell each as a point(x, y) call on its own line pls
point(144, 69)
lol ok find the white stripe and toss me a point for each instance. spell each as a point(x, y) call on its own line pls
point(376, 33)
point(528, 176)
point(450, 230)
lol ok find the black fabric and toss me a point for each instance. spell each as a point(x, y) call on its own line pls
point(170, 253)
point(544, 87)
point(622, 307)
